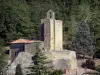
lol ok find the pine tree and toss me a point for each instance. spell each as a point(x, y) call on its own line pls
point(18, 70)
point(40, 61)
point(83, 43)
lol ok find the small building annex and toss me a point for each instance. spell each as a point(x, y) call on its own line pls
point(21, 45)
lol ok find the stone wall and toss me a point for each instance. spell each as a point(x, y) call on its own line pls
point(13, 54)
point(30, 47)
point(47, 26)
point(58, 35)
point(63, 59)
point(53, 34)
point(23, 58)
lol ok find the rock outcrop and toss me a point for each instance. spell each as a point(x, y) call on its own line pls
point(23, 58)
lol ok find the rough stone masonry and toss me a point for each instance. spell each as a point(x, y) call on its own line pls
point(53, 43)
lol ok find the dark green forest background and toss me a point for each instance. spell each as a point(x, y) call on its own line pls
point(21, 18)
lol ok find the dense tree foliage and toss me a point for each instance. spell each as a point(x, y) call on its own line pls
point(2, 60)
point(14, 20)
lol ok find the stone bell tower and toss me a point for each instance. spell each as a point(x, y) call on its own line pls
point(53, 43)
point(53, 32)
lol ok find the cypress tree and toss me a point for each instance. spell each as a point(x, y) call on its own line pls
point(18, 70)
point(83, 43)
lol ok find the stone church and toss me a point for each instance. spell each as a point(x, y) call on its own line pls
point(52, 42)
point(53, 33)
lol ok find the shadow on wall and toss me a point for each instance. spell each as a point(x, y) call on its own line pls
point(42, 32)
point(62, 64)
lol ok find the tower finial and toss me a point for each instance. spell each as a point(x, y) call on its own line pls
point(50, 14)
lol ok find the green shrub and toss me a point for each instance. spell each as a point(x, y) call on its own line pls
point(98, 68)
point(89, 64)
point(56, 72)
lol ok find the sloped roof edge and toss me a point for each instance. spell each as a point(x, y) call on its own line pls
point(24, 41)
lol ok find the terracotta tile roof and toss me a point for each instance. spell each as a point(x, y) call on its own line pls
point(24, 41)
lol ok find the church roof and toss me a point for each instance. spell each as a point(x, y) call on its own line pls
point(24, 41)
